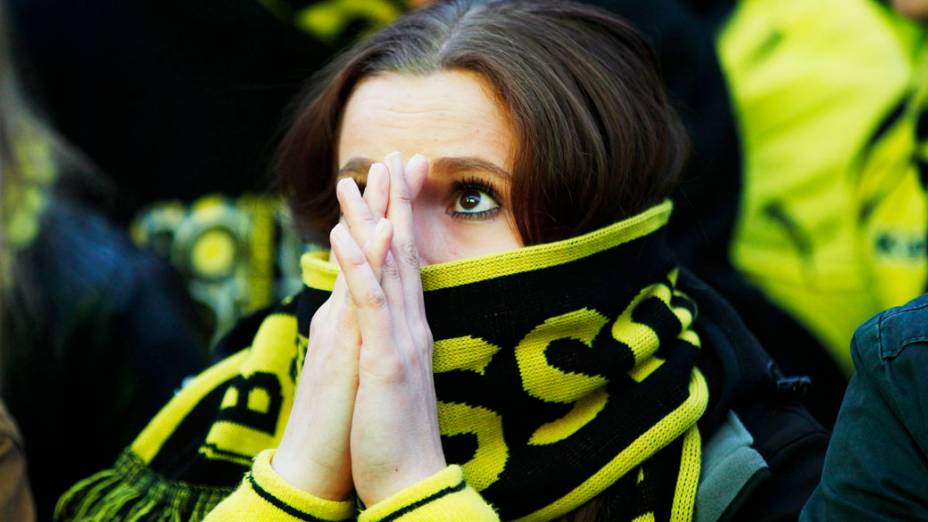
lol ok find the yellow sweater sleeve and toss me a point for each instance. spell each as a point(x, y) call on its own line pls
point(264, 495)
point(443, 497)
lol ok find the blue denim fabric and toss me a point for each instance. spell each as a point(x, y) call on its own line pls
point(876, 467)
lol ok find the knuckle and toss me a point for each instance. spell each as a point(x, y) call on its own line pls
point(389, 268)
point(356, 261)
point(387, 367)
point(366, 216)
point(421, 335)
point(408, 253)
point(374, 299)
point(420, 362)
point(402, 194)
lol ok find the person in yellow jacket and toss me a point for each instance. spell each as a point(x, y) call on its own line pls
point(828, 98)
point(501, 330)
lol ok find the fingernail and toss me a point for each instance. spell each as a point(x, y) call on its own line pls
point(347, 186)
point(416, 158)
point(395, 159)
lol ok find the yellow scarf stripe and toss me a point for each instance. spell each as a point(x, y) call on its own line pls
point(318, 273)
point(669, 428)
point(149, 442)
point(684, 498)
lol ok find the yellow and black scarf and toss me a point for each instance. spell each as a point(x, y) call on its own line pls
point(562, 370)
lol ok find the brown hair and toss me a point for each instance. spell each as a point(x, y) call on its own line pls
point(596, 138)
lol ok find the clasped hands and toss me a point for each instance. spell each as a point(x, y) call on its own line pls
point(364, 416)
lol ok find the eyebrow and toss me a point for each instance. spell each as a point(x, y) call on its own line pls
point(358, 167)
point(470, 163)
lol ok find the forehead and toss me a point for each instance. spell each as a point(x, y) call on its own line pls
point(445, 114)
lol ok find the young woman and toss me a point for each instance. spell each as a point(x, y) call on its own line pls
point(504, 302)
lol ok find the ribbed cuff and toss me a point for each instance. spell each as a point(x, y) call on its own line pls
point(270, 486)
point(443, 497)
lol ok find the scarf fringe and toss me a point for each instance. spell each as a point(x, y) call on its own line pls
point(131, 492)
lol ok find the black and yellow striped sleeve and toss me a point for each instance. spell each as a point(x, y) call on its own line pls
point(444, 497)
point(264, 495)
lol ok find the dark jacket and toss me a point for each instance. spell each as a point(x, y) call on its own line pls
point(876, 467)
point(770, 473)
point(98, 339)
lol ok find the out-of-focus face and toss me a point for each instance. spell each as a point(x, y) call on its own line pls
point(453, 119)
point(916, 9)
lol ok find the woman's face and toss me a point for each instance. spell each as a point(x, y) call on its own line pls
point(453, 119)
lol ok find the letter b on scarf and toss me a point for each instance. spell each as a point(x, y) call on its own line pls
point(253, 401)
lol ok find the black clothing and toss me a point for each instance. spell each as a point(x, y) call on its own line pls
point(98, 338)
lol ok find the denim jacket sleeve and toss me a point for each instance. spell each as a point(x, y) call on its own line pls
point(876, 467)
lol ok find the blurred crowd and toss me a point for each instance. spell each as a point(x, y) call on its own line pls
point(139, 222)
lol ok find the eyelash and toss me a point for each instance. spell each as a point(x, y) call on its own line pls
point(480, 185)
point(471, 183)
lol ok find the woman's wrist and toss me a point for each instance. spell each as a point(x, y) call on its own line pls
point(301, 470)
point(391, 482)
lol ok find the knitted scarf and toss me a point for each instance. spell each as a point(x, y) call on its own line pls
point(561, 370)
